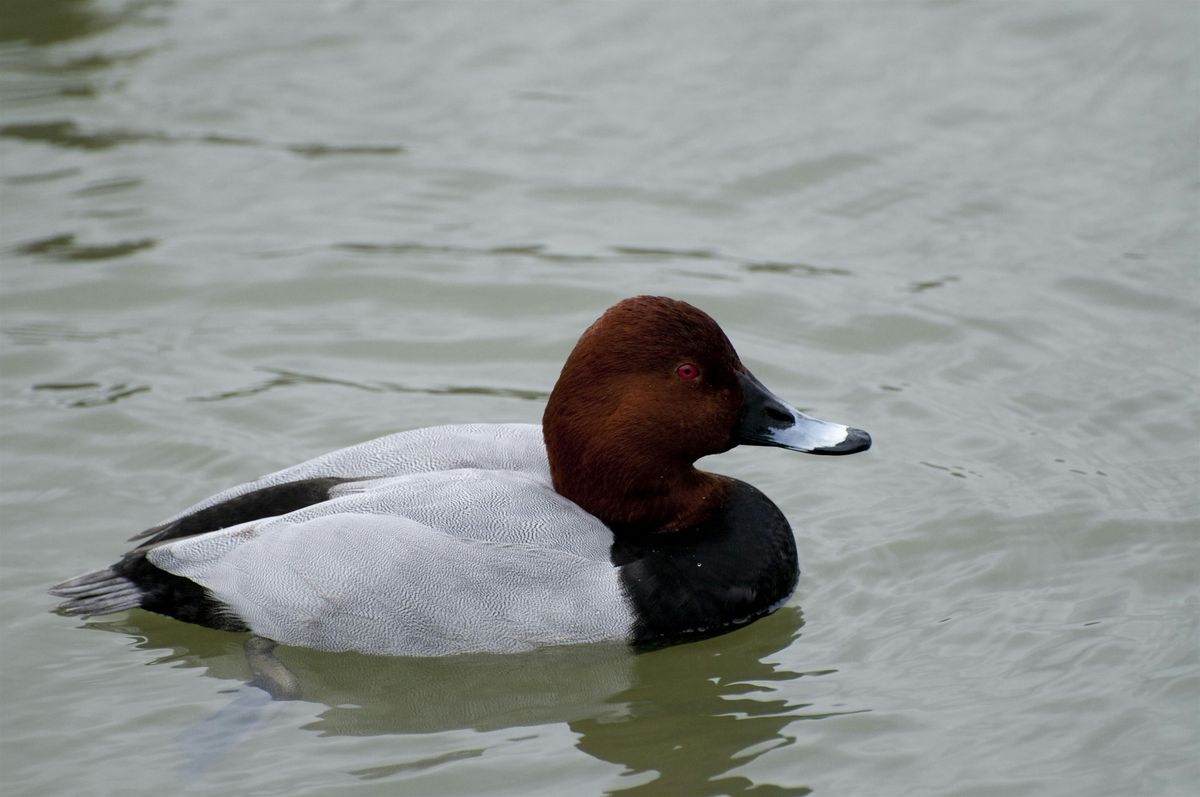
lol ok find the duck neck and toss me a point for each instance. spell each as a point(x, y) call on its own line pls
point(633, 494)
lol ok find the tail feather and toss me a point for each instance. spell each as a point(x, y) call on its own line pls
point(98, 592)
point(85, 583)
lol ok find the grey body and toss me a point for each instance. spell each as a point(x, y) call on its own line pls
point(451, 539)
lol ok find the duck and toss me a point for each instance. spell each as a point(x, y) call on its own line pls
point(595, 526)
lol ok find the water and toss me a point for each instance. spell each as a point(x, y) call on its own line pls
point(236, 235)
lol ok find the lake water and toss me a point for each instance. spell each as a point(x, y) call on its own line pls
point(239, 234)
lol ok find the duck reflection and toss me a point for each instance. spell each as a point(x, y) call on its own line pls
point(678, 720)
point(697, 711)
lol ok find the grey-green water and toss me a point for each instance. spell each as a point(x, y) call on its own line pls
point(239, 234)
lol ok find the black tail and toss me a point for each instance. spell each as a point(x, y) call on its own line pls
point(98, 592)
point(133, 583)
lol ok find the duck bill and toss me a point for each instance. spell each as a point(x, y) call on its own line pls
point(768, 420)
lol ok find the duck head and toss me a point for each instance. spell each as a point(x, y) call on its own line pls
point(652, 386)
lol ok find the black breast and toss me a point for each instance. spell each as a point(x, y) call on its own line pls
point(738, 566)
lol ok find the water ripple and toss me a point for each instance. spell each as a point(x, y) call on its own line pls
point(68, 134)
point(287, 379)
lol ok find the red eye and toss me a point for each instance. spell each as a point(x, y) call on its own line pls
point(687, 371)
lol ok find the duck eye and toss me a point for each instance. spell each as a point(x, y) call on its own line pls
point(687, 371)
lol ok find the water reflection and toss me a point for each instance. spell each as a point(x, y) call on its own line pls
point(722, 691)
point(65, 247)
point(625, 707)
point(36, 38)
point(41, 22)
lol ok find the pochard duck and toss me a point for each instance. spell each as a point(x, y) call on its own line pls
point(505, 537)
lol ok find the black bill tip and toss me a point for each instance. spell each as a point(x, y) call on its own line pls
point(856, 440)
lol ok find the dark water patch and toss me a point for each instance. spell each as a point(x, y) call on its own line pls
point(66, 386)
point(42, 22)
point(95, 61)
point(320, 150)
point(703, 275)
point(475, 390)
point(65, 247)
point(41, 177)
point(99, 394)
point(1081, 471)
point(954, 470)
point(799, 269)
point(68, 134)
point(533, 251)
point(306, 150)
point(101, 187)
point(226, 140)
point(64, 133)
point(539, 252)
point(285, 378)
point(33, 75)
point(928, 285)
point(26, 60)
point(114, 394)
point(761, 266)
point(655, 252)
point(42, 87)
